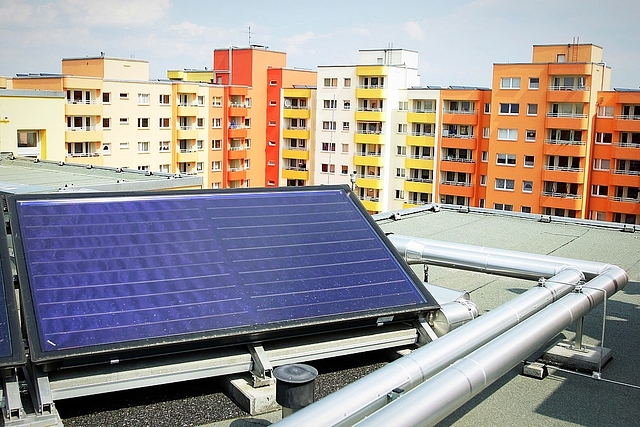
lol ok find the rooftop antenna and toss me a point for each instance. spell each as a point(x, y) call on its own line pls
point(249, 32)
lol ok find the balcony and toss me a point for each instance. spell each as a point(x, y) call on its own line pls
point(566, 121)
point(625, 178)
point(563, 174)
point(187, 156)
point(93, 159)
point(295, 153)
point(421, 140)
point(419, 162)
point(368, 137)
point(296, 113)
point(459, 141)
point(295, 173)
point(369, 181)
point(237, 153)
point(553, 147)
point(370, 115)
point(561, 200)
point(371, 204)
point(187, 132)
point(627, 123)
point(187, 110)
point(626, 150)
point(459, 117)
point(295, 132)
point(83, 134)
point(624, 205)
point(453, 164)
point(83, 108)
point(237, 131)
point(421, 116)
point(236, 174)
point(455, 188)
point(371, 92)
point(418, 185)
point(238, 109)
point(568, 94)
point(361, 159)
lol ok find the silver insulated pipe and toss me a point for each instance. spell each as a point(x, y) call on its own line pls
point(367, 395)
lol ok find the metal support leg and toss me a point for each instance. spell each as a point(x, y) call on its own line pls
point(425, 268)
point(425, 333)
point(262, 371)
point(577, 343)
point(13, 409)
point(40, 390)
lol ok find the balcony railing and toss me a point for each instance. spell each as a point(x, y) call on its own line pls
point(83, 154)
point(371, 86)
point(563, 142)
point(367, 176)
point(423, 134)
point(189, 104)
point(456, 135)
point(369, 154)
point(295, 168)
point(626, 144)
point(299, 128)
point(82, 128)
point(423, 180)
point(624, 199)
point(562, 87)
point(422, 110)
point(241, 105)
point(83, 101)
point(625, 172)
point(448, 111)
point(418, 202)
point(419, 157)
point(561, 195)
point(189, 127)
point(373, 110)
point(186, 150)
point(456, 183)
point(369, 132)
point(457, 159)
point(369, 198)
point(562, 168)
point(628, 117)
point(567, 115)
point(296, 148)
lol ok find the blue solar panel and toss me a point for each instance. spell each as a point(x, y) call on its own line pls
point(125, 269)
point(11, 351)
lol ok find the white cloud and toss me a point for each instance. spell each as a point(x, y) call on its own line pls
point(294, 43)
point(413, 30)
point(19, 13)
point(114, 13)
point(189, 29)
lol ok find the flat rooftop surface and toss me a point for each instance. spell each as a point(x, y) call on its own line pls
point(561, 399)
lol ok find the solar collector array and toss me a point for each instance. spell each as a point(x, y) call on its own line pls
point(122, 271)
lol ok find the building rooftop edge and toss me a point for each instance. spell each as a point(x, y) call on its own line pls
point(32, 93)
point(111, 58)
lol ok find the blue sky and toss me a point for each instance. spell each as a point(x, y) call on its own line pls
point(458, 40)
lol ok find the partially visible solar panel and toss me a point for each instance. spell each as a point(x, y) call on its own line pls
point(11, 351)
point(118, 271)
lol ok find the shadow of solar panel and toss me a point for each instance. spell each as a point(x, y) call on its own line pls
point(11, 351)
point(114, 271)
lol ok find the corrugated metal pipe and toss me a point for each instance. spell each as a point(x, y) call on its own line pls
point(439, 396)
point(361, 398)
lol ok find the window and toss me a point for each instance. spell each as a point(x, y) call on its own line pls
point(481, 203)
point(200, 122)
point(603, 138)
point(345, 148)
point(506, 159)
point(328, 168)
point(216, 144)
point(247, 163)
point(527, 186)
point(143, 168)
point(124, 145)
point(326, 125)
point(272, 143)
point(399, 195)
point(106, 148)
point(106, 123)
point(247, 122)
point(561, 57)
point(330, 82)
point(400, 172)
point(525, 209)
point(534, 83)
point(143, 122)
point(509, 108)
point(247, 143)
point(602, 164)
point(124, 120)
point(199, 144)
point(605, 111)
point(165, 145)
point(504, 184)
point(273, 82)
point(502, 207)
point(106, 97)
point(346, 104)
point(401, 150)
point(486, 132)
point(532, 109)
point(215, 185)
point(199, 166)
point(124, 95)
point(599, 190)
point(273, 102)
point(216, 123)
point(216, 101)
point(402, 128)
point(164, 99)
point(483, 180)
point(485, 156)
point(216, 166)
point(330, 104)
point(164, 123)
point(143, 99)
point(200, 100)
point(487, 108)
point(345, 126)
point(329, 146)
point(530, 135)
point(529, 161)
point(347, 82)
point(28, 143)
point(508, 134)
point(272, 122)
point(403, 105)
point(143, 147)
point(510, 83)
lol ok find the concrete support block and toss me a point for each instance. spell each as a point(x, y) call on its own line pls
point(255, 401)
point(587, 359)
